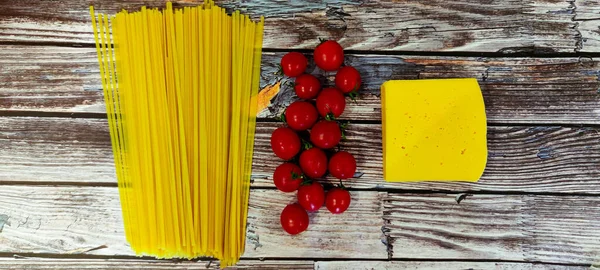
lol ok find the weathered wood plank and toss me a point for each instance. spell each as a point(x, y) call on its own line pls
point(385, 265)
point(538, 26)
point(68, 220)
point(590, 32)
point(586, 9)
point(530, 159)
point(59, 220)
point(55, 150)
point(520, 228)
point(123, 264)
point(533, 159)
point(587, 17)
point(50, 79)
point(120, 264)
point(516, 90)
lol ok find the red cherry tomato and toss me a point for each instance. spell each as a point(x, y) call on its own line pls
point(294, 219)
point(311, 197)
point(307, 86)
point(301, 115)
point(293, 64)
point(325, 134)
point(331, 100)
point(285, 143)
point(347, 79)
point(313, 162)
point(342, 165)
point(337, 200)
point(287, 177)
point(329, 55)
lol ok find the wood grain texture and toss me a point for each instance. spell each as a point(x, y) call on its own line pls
point(383, 265)
point(586, 9)
point(517, 227)
point(532, 159)
point(50, 79)
point(55, 150)
point(538, 26)
point(529, 159)
point(516, 90)
point(590, 29)
point(70, 220)
point(587, 17)
point(126, 264)
point(119, 264)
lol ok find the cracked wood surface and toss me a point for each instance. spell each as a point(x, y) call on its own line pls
point(587, 19)
point(127, 264)
point(389, 265)
point(528, 228)
point(77, 224)
point(521, 159)
point(123, 264)
point(515, 90)
point(521, 26)
point(508, 227)
point(78, 220)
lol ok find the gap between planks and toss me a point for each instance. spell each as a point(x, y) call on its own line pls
point(96, 262)
point(99, 115)
point(485, 54)
point(390, 190)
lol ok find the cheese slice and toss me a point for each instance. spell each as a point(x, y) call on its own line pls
point(433, 130)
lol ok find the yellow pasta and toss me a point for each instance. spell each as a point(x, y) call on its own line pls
point(180, 89)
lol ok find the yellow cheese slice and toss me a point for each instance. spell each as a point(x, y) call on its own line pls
point(433, 130)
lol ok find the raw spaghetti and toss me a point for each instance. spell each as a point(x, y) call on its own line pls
point(180, 89)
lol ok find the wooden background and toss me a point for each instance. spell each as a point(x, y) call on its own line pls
point(536, 207)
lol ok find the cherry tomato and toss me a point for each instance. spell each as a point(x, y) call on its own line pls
point(325, 134)
point(347, 79)
point(294, 219)
point(329, 55)
point(301, 115)
point(285, 143)
point(287, 177)
point(293, 64)
point(307, 86)
point(331, 100)
point(313, 162)
point(337, 200)
point(342, 165)
point(311, 197)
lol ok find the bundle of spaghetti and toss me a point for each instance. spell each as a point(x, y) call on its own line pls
point(180, 89)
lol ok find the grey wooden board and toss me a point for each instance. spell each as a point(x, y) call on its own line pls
point(508, 227)
point(515, 90)
point(521, 159)
point(125, 264)
point(72, 220)
point(527, 228)
point(587, 17)
point(367, 265)
point(122, 264)
point(534, 26)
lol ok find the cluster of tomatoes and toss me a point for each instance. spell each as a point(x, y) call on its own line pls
point(308, 144)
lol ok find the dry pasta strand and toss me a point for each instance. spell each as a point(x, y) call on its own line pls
point(180, 89)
